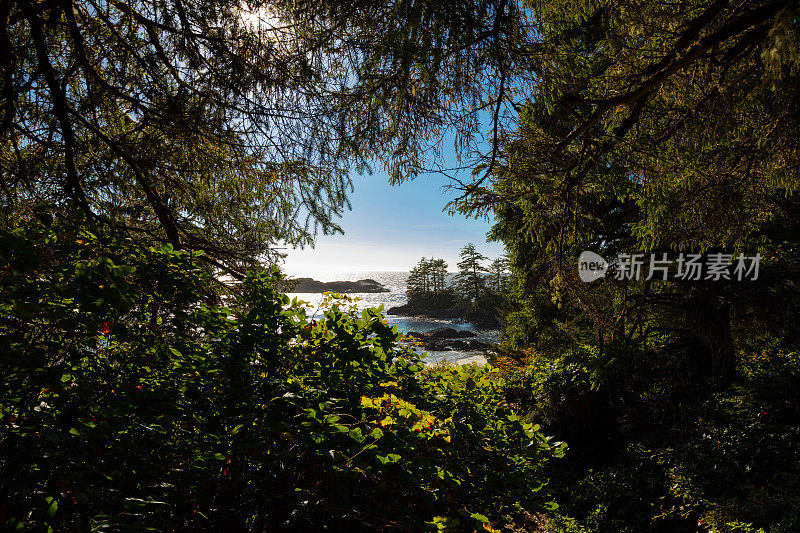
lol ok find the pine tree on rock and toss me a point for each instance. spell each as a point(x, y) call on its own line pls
point(498, 270)
point(439, 273)
point(470, 280)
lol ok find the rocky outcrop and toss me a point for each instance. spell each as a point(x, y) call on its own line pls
point(479, 317)
point(446, 339)
point(443, 345)
point(413, 310)
point(448, 333)
point(362, 285)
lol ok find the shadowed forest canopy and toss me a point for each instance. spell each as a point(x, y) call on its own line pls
point(228, 126)
point(691, 101)
point(218, 125)
point(654, 128)
point(141, 138)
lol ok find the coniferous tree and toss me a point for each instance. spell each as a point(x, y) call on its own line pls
point(439, 267)
point(427, 276)
point(226, 125)
point(498, 271)
point(470, 280)
point(415, 282)
point(653, 129)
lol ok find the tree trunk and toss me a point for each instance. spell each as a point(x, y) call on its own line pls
point(708, 318)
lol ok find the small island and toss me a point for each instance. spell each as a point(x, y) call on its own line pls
point(477, 294)
point(362, 285)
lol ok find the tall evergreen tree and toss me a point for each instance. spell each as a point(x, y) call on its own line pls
point(654, 128)
point(418, 280)
point(470, 280)
point(498, 274)
point(415, 282)
point(228, 125)
point(439, 268)
point(427, 276)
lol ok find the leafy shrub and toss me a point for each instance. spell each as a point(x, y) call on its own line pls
point(132, 399)
point(644, 458)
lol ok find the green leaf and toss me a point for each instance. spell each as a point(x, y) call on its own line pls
point(356, 435)
point(51, 510)
point(551, 506)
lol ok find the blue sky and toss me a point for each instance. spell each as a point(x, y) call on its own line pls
point(391, 227)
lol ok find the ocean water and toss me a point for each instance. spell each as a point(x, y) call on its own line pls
point(396, 283)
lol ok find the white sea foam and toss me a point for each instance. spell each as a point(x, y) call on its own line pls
point(396, 283)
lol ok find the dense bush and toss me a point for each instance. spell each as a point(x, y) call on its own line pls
point(132, 399)
point(649, 452)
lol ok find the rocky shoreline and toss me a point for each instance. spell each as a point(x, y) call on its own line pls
point(413, 310)
point(362, 285)
point(475, 317)
point(447, 339)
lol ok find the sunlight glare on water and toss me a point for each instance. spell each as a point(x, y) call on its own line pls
point(396, 283)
